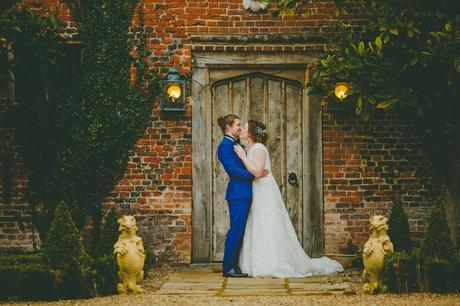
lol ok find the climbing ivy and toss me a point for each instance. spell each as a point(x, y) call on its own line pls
point(76, 136)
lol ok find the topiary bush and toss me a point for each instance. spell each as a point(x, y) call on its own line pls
point(400, 272)
point(437, 255)
point(398, 229)
point(104, 259)
point(437, 243)
point(65, 255)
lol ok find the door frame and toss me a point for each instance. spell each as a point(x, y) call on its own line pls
point(313, 203)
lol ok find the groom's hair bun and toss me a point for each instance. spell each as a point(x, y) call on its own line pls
point(225, 121)
point(257, 131)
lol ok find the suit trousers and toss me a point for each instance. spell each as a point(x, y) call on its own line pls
point(239, 210)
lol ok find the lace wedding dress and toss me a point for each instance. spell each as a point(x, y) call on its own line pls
point(270, 246)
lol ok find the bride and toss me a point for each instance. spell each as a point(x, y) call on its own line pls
point(270, 246)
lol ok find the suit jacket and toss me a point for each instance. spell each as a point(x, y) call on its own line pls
point(240, 184)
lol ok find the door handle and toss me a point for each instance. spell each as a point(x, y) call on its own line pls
point(292, 178)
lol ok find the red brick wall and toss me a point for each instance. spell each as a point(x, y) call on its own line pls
point(368, 166)
point(359, 159)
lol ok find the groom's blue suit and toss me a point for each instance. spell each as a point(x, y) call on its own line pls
point(239, 198)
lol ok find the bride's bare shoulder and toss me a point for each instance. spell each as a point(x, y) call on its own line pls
point(258, 146)
point(261, 146)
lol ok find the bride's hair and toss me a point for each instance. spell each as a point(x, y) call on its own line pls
point(257, 131)
point(225, 121)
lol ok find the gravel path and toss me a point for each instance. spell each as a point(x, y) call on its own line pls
point(160, 274)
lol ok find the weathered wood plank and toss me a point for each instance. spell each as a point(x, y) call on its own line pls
point(240, 101)
point(203, 59)
point(256, 98)
point(284, 71)
point(275, 128)
point(294, 156)
point(221, 216)
point(313, 207)
point(201, 191)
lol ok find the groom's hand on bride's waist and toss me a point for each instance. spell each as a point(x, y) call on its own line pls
point(265, 173)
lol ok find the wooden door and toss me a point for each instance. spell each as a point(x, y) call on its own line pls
point(276, 101)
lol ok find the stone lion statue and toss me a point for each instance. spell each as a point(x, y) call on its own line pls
point(129, 251)
point(374, 252)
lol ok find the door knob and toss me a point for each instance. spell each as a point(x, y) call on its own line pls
point(292, 178)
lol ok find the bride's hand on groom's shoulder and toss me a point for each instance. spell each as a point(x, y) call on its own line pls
point(240, 151)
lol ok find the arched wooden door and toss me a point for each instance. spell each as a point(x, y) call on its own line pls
point(277, 102)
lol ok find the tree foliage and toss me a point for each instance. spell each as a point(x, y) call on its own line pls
point(405, 58)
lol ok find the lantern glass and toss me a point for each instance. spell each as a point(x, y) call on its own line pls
point(341, 90)
point(174, 92)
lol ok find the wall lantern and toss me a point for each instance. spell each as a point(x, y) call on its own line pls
point(341, 90)
point(173, 92)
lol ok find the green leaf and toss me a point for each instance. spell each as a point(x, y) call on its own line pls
point(386, 38)
point(457, 64)
point(337, 12)
point(361, 48)
point(387, 104)
point(414, 61)
point(378, 42)
point(359, 105)
point(410, 33)
point(448, 27)
point(394, 31)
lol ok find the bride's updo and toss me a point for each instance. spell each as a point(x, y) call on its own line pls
point(257, 131)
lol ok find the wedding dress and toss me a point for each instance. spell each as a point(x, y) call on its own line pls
point(270, 246)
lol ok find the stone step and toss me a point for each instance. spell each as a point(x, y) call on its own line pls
point(202, 280)
point(192, 286)
point(247, 292)
point(254, 281)
point(186, 292)
point(321, 287)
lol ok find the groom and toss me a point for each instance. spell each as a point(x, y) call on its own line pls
point(238, 195)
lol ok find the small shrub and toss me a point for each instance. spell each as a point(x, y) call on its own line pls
point(65, 255)
point(105, 264)
point(400, 272)
point(107, 276)
point(25, 277)
point(437, 243)
point(398, 229)
point(437, 255)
